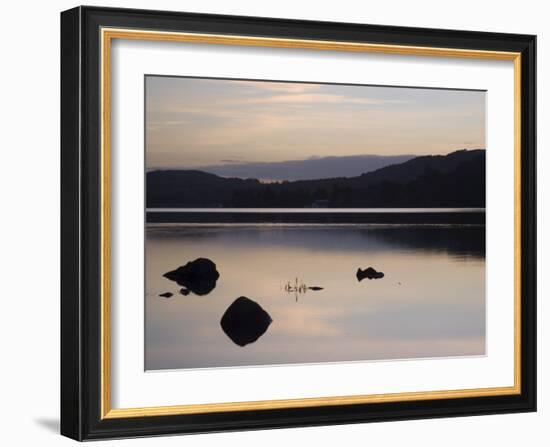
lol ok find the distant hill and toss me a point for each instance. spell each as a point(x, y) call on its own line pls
point(453, 180)
point(319, 167)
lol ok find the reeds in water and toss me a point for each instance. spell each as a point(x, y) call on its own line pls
point(298, 286)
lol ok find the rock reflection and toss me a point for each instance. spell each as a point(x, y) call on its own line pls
point(245, 321)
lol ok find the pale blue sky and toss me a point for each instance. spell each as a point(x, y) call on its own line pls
point(193, 122)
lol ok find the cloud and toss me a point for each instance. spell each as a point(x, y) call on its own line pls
point(287, 87)
point(311, 99)
point(230, 160)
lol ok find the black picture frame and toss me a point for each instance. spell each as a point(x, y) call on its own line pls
point(81, 223)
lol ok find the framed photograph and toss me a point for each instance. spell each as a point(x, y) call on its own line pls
point(278, 223)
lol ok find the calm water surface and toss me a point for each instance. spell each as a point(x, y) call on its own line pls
point(430, 303)
point(317, 210)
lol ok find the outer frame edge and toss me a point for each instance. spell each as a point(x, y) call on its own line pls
point(520, 403)
point(529, 222)
point(71, 346)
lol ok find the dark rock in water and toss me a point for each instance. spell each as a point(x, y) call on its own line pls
point(369, 273)
point(198, 276)
point(166, 294)
point(185, 292)
point(245, 321)
point(315, 288)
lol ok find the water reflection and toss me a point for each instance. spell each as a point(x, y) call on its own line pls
point(431, 301)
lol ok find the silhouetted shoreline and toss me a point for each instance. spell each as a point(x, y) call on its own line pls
point(454, 180)
point(299, 217)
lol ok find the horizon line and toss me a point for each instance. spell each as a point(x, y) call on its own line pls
point(244, 163)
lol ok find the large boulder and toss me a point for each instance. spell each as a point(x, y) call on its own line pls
point(369, 273)
point(245, 321)
point(198, 276)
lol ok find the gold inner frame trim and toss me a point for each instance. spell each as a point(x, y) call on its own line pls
point(107, 35)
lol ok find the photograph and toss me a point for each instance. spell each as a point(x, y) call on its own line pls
point(301, 223)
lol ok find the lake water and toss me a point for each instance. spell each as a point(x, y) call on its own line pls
point(430, 302)
point(317, 210)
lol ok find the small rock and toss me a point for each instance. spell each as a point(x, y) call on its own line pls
point(369, 273)
point(166, 294)
point(185, 292)
point(315, 288)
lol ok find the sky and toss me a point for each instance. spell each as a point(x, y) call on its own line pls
point(212, 124)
